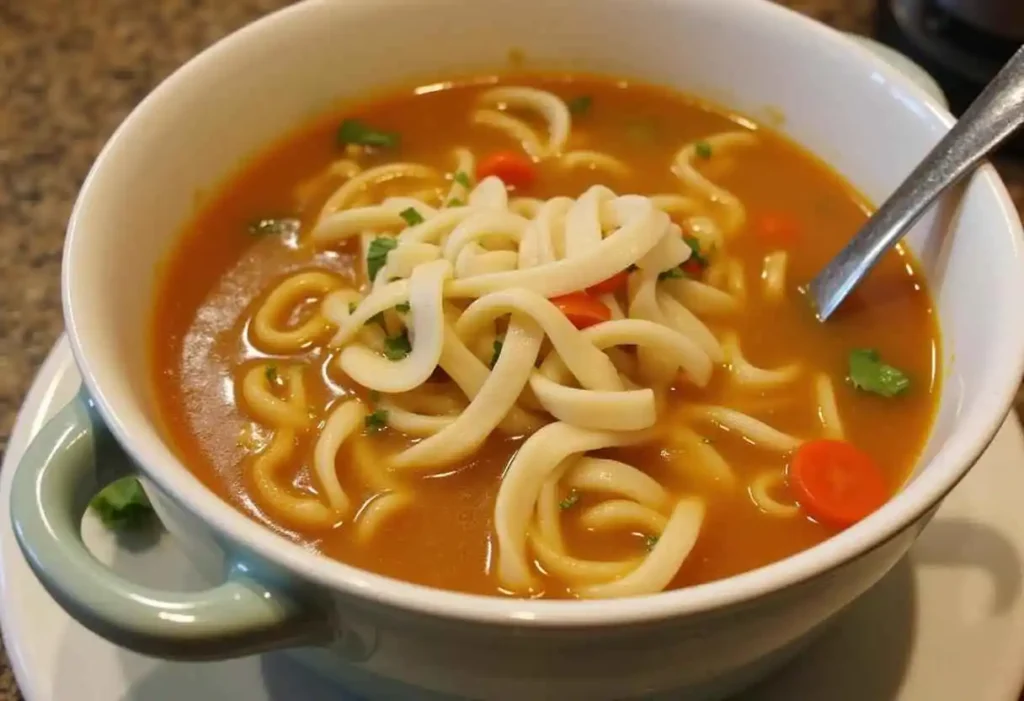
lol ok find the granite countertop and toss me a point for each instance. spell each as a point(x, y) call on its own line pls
point(70, 71)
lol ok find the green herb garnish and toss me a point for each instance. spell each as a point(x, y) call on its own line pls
point(570, 501)
point(123, 505)
point(455, 202)
point(411, 216)
point(498, 343)
point(870, 374)
point(462, 178)
point(697, 256)
point(355, 131)
point(397, 347)
point(376, 420)
point(271, 374)
point(650, 541)
point(352, 306)
point(580, 105)
point(703, 149)
point(274, 227)
point(374, 396)
point(403, 307)
point(671, 274)
point(377, 254)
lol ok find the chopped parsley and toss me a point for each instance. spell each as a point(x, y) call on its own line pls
point(570, 501)
point(355, 131)
point(352, 306)
point(498, 343)
point(580, 105)
point(411, 216)
point(274, 227)
point(377, 254)
point(271, 373)
point(403, 307)
point(462, 178)
point(696, 256)
point(123, 505)
point(376, 420)
point(870, 374)
point(703, 149)
point(693, 265)
point(397, 347)
point(455, 202)
point(650, 541)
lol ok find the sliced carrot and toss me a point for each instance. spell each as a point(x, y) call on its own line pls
point(836, 483)
point(610, 286)
point(692, 268)
point(778, 229)
point(515, 169)
point(582, 309)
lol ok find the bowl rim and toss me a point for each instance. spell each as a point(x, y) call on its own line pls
point(909, 505)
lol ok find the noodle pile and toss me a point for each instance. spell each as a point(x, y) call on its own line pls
point(453, 332)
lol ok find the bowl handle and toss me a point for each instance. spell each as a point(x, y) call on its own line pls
point(52, 487)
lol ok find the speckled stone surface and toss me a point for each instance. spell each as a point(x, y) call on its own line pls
point(70, 71)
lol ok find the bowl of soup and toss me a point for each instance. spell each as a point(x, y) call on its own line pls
point(467, 347)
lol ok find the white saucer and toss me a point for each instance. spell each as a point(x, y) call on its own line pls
point(947, 623)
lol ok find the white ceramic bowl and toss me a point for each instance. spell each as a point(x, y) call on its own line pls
point(385, 637)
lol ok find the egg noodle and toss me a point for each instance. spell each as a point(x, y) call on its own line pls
point(453, 331)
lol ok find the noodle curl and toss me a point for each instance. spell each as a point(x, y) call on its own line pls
point(458, 328)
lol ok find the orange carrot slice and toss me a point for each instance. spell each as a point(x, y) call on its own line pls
point(610, 286)
point(582, 309)
point(836, 483)
point(515, 169)
point(778, 229)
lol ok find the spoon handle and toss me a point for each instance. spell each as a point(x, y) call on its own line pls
point(993, 116)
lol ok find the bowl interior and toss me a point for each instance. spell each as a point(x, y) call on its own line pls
point(823, 91)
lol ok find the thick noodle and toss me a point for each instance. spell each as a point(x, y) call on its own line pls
point(453, 332)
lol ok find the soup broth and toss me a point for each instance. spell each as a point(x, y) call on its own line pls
point(692, 422)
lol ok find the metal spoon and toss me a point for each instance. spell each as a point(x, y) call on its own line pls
point(997, 112)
